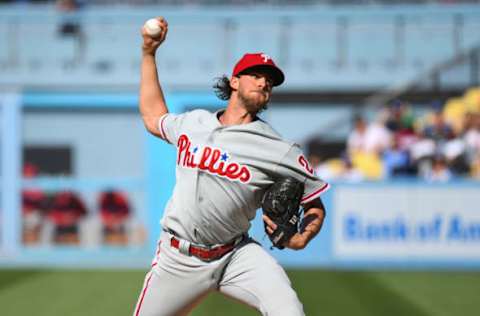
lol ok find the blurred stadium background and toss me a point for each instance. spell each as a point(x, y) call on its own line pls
point(384, 96)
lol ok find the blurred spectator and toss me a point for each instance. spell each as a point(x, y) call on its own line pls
point(434, 135)
point(65, 212)
point(70, 28)
point(33, 208)
point(439, 171)
point(399, 116)
point(330, 169)
point(472, 143)
point(455, 152)
point(475, 167)
point(366, 143)
point(371, 139)
point(396, 161)
point(356, 138)
point(422, 153)
point(70, 25)
point(114, 211)
point(438, 129)
point(472, 135)
point(438, 146)
point(349, 172)
point(401, 123)
point(339, 169)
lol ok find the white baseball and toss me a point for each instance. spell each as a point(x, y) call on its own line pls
point(153, 28)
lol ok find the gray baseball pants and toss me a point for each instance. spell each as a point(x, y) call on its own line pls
point(178, 282)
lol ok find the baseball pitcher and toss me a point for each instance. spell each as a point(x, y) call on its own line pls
point(228, 165)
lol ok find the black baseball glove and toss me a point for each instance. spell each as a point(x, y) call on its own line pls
point(281, 203)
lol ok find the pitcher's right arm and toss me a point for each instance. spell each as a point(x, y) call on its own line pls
point(151, 100)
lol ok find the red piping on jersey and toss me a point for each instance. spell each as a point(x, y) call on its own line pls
point(155, 261)
point(143, 294)
point(162, 131)
point(312, 195)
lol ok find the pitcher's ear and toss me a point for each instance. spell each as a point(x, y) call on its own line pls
point(234, 81)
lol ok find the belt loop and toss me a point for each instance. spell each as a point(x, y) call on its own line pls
point(184, 247)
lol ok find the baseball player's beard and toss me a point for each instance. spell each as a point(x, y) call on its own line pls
point(253, 105)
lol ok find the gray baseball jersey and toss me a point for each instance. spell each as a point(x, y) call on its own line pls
point(222, 173)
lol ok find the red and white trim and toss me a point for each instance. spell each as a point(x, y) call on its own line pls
point(146, 283)
point(157, 253)
point(145, 287)
point(312, 196)
point(161, 127)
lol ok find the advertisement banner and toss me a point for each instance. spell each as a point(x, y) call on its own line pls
point(406, 222)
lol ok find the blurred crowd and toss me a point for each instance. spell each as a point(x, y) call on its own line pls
point(439, 145)
point(57, 217)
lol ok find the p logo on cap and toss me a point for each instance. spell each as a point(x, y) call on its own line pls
point(265, 57)
point(261, 61)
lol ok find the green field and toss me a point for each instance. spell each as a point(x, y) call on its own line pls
point(323, 292)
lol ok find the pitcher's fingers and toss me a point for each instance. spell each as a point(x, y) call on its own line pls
point(269, 222)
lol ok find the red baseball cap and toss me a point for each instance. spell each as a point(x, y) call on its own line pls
point(262, 61)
